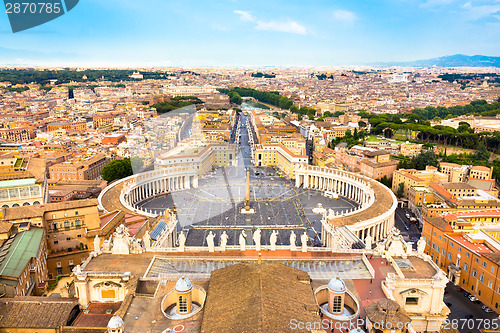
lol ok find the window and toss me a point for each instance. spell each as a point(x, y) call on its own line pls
point(443, 252)
point(70, 262)
point(59, 271)
point(484, 264)
point(476, 260)
point(474, 273)
point(481, 278)
point(451, 243)
point(183, 308)
point(479, 293)
point(498, 290)
point(76, 213)
point(337, 304)
point(449, 255)
point(466, 267)
point(490, 283)
point(411, 300)
point(68, 238)
point(459, 249)
point(78, 222)
point(467, 254)
point(66, 223)
point(56, 242)
point(493, 269)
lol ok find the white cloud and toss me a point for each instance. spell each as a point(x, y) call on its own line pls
point(478, 12)
point(291, 27)
point(344, 16)
point(281, 26)
point(245, 16)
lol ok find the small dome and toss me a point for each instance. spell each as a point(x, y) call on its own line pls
point(115, 322)
point(337, 285)
point(183, 285)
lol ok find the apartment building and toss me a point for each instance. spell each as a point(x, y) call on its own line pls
point(86, 169)
point(465, 245)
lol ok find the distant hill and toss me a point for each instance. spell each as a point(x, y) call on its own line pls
point(457, 60)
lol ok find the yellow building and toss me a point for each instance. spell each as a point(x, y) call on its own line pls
point(285, 159)
point(412, 177)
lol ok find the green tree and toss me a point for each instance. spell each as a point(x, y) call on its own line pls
point(401, 190)
point(481, 154)
point(117, 169)
point(361, 124)
point(386, 181)
point(327, 114)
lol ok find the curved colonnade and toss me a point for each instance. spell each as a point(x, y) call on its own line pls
point(147, 184)
point(375, 215)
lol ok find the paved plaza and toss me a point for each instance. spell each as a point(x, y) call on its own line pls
point(216, 204)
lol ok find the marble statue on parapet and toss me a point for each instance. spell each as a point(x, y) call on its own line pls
point(303, 240)
point(210, 241)
point(136, 247)
point(331, 213)
point(97, 245)
point(243, 240)
point(181, 241)
point(256, 239)
point(223, 241)
point(368, 241)
point(273, 239)
point(293, 238)
point(421, 245)
point(121, 240)
point(147, 240)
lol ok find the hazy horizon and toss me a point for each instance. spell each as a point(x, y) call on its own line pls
point(231, 33)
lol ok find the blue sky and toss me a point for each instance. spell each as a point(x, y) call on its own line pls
point(256, 33)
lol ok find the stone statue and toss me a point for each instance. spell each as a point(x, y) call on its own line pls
point(77, 270)
point(223, 241)
point(210, 241)
point(293, 238)
point(121, 240)
point(303, 240)
point(147, 240)
point(273, 239)
point(256, 239)
point(243, 240)
point(182, 241)
point(421, 245)
point(97, 244)
point(368, 241)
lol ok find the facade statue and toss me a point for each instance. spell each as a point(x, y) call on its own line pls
point(368, 241)
point(223, 241)
point(243, 240)
point(97, 244)
point(147, 240)
point(182, 241)
point(210, 242)
point(303, 239)
point(293, 238)
point(256, 239)
point(421, 245)
point(273, 239)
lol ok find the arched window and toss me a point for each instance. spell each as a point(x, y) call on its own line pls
point(26, 204)
point(15, 205)
point(78, 223)
point(183, 307)
point(337, 304)
point(66, 223)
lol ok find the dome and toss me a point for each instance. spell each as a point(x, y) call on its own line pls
point(183, 285)
point(115, 322)
point(337, 285)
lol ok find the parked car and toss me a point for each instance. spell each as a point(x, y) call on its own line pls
point(472, 298)
point(407, 215)
point(486, 309)
point(459, 289)
point(466, 294)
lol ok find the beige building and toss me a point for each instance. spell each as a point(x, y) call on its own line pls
point(286, 159)
point(412, 177)
point(86, 169)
